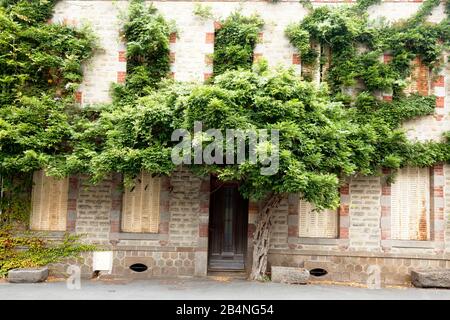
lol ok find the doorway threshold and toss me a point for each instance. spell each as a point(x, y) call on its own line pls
point(224, 275)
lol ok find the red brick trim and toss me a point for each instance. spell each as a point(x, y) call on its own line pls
point(78, 97)
point(385, 207)
point(437, 225)
point(207, 75)
point(386, 190)
point(344, 212)
point(208, 59)
point(164, 206)
point(121, 76)
point(253, 208)
point(72, 203)
point(296, 59)
point(122, 56)
point(217, 25)
point(438, 170)
point(172, 57)
point(203, 230)
point(387, 58)
point(260, 37)
point(438, 82)
point(343, 233)
point(345, 189)
point(439, 102)
point(173, 37)
point(209, 37)
point(257, 57)
point(116, 202)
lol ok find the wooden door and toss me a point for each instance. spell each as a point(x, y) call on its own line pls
point(227, 227)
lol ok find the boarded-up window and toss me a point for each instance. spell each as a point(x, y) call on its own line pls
point(140, 207)
point(419, 78)
point(410, 204)
point(316, 224)
point(49, 203)
point(317, 71)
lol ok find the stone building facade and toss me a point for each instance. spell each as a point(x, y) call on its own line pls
point(366, 224)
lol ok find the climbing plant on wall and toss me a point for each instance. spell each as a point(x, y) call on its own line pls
point(235, 41)
point(355, 45)
point(326, 134)
point(40, 71)
point(146, 33)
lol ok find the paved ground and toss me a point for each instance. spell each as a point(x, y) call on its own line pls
point(193, 289)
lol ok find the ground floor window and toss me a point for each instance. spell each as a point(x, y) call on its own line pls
point(140, 205)
point(49, 203)
point(316, 224)
point(410, 204)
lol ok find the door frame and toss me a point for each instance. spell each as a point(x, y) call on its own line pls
point(215, 185)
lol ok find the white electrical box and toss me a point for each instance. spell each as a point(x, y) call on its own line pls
point(102, 261)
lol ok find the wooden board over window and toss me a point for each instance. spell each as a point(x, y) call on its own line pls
point(140, 206)
point(410, 204)
point(316, 224)
point(419, 80)
point(49, 203)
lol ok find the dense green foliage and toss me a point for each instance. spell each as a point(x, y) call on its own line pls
point(347, 29)
point(356, 44)
point(325, 134)
point(28, 251)
point(235, 41)
point(147, 37)
point(40, 69)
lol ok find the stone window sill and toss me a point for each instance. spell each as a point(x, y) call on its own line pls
point(408, 244)
point(141, 236)
point(315, 241)
point(50, 235)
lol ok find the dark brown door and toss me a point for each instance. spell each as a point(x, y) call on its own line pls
point(228, 219)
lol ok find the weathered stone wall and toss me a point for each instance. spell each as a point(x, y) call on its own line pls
point(180, 247)
point(93, 210)
point(365, 205)
point(355, 267)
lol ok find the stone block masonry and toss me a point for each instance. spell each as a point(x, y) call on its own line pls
point(93, 210)
point(179, 247)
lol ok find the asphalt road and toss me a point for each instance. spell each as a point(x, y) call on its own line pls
point(210, 289)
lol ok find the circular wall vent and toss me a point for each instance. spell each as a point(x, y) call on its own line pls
point(138, 267)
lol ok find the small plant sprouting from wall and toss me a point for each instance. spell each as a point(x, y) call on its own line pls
point(235, 42)
point(29, 251)
point(202, 11)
